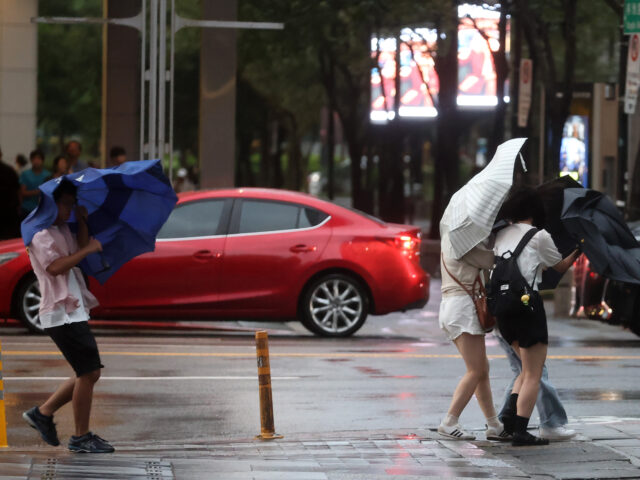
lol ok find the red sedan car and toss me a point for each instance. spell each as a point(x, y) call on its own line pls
point(249, 254)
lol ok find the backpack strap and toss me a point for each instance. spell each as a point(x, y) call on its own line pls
point(523, 242)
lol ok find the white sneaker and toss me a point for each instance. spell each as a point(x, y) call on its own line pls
point(556, 433)
point(498, 434)
point(456, 432)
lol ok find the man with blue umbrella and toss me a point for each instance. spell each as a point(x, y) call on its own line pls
point(124, 208)
point(55, 253)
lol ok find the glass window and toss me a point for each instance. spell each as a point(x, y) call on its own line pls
point(261, 216)
point(310, 217)
point(195, 219)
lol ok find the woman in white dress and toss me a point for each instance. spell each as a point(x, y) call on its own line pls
point(459, 321)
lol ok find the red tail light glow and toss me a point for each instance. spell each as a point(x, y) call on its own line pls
point(409, 244)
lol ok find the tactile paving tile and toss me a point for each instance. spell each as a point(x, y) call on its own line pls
point(90, 467)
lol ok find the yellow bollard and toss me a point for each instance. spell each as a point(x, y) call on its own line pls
point(264, 384)
point(3, 421)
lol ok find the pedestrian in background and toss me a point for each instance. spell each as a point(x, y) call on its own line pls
point(117, 156)
point(60, 167)
point(182, 183)
point(73, 150)
point(9, 202)
point(21, 163)
point(527, 331)
point(64, 311)
point(459, 320)
point(553, 417)
point(30, 180)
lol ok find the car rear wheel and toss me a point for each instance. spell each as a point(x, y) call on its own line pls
point(28, 304)
point(335, 305)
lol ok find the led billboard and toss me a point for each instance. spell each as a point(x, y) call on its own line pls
point(574, 149)
point(418, 80)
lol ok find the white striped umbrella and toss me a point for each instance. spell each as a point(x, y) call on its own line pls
point(472, 210)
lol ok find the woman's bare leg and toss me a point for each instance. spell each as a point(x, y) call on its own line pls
point(472, 349)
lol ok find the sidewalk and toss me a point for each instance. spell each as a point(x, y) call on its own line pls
point(605, 448)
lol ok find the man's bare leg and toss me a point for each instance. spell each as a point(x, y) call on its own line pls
point(82, 398)
point(60, 397)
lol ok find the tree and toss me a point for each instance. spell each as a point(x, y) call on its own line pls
point(322, 57)
point(501, 67)
point(69, 75)
point(558, 85)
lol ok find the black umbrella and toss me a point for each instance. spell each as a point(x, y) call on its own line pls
point(595, 223)
point(552, 195)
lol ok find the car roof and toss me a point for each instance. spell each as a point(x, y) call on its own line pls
point(266, 194)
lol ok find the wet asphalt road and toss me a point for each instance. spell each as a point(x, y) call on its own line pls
point(398, 372)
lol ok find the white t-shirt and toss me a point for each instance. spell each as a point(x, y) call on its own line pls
point(538, 254)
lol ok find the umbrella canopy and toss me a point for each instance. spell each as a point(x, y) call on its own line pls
point(595, 223)
point(552, 196)
point(127, 206)
point(472, 210)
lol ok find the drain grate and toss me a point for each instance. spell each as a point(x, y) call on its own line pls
point(89, 467)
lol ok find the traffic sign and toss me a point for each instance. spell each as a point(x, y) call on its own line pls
point(631, 16)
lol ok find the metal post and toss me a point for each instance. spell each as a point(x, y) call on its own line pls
point(153, 78)
point(3, 422)
point(143, 72)
point(154, 126)
point(543, 136)
point(267, 429)
point(171, 87)
point(162, 76)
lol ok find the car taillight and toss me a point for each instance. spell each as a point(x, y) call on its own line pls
point(409, 244)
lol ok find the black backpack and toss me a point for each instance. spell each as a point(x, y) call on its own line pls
point(508, 293)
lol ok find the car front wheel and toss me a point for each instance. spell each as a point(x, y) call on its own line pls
point(335, 305)
point(28, 304)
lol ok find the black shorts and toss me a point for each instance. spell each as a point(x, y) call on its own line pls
point(78, 345)
point(527, 328)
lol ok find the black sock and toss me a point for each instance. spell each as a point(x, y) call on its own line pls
point(520, 424)
point(511, 408)
point(509, 415)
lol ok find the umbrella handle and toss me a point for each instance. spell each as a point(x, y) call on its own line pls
point(103, 260)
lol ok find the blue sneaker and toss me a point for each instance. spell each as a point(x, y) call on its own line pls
point(43, 424)
point(89, 443)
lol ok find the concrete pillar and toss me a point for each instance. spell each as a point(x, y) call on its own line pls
point(604, 140)
point(18, 77)
point(218, 97)
point(633, 145)
point(123, 81)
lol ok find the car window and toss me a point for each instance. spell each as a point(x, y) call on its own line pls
point(194, 219)
point(310, 217)
point(264, 216)
point(260, 216)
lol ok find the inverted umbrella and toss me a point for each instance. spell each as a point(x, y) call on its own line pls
point(127, 206)
point(595, 223)
point(472, 210)
point(552, 195)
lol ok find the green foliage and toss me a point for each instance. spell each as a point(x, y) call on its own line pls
point(187, 80)
point(598, 43)
point(69, 75)
point(596, 34)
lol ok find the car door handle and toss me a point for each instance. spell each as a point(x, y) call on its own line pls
point(303, 248)
point(203, 255)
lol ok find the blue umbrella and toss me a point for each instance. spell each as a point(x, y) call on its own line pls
point(127, 206)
